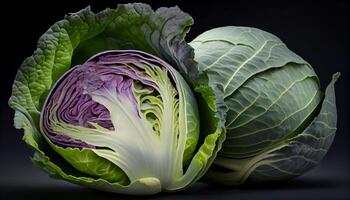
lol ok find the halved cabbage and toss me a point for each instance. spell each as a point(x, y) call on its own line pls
point(124, 120)
point(129, 108)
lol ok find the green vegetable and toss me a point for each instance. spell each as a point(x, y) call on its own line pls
point(279, 124)
point(122, 121)
point(106, 102)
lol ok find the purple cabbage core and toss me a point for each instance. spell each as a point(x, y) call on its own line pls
point(69, 100)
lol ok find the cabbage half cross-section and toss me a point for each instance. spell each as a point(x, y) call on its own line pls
point(129, 108)
point(102, 104)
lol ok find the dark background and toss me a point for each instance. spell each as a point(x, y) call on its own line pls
point(316, 30)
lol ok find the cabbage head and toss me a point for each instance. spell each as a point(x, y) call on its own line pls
point(102, 103)
point(279, 124)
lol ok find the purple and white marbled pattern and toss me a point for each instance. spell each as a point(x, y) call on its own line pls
point(70, 102)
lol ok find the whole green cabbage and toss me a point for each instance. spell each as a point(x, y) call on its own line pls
point(279, 124)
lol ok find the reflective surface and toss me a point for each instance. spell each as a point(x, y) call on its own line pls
point(306, 187)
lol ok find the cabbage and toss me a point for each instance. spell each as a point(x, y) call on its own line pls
point(102, 104)
point(107, 101)
point(130, 108)
point(278, 122)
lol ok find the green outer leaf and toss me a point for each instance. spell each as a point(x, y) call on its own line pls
point(231, 55)
point(88, 162)
point(212, 130)
point(269, 108)
point(302, 152)
point(163, 33)
point(289, 159)
point(53, 57)
point(192, 125)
